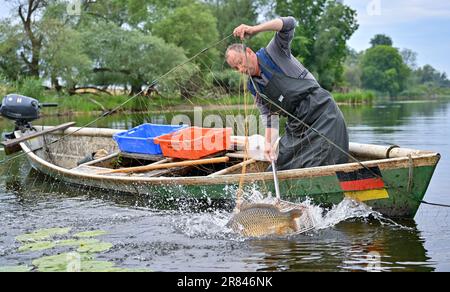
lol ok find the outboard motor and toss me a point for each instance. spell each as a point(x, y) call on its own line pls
point(21, 109)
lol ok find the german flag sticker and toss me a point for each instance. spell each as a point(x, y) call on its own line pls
point(363, 185)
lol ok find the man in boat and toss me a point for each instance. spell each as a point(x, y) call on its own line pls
point(281, 85)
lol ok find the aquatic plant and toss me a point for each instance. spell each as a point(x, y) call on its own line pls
point(16, 269)
point(42, 234)
point(82, 260)
point(95, 247)
point(88, 234)
point(37, 246)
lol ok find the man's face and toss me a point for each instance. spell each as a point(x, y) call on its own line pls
point(243, 64)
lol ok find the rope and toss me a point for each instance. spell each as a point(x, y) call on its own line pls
point(124, 103)
point(240, 192)
point(435, 204)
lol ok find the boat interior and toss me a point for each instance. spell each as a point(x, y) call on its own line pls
point(94, 151)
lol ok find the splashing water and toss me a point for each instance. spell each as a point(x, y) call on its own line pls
point(203, 225)
point(347, 209)
point(213, 224)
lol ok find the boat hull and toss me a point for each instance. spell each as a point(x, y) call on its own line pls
point(406, 182)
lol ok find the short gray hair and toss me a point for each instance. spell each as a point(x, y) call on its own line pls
point(239, 48)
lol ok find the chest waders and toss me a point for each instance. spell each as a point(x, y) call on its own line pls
point(301, 147)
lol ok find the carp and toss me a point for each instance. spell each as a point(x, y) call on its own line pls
point(264, 219)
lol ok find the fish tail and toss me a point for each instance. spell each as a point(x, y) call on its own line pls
point(295, 213)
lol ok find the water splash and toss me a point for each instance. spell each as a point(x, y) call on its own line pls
point(203, 225)
point(211, 224)
point(347, 209)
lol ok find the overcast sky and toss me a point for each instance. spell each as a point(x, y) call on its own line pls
point(420, 25)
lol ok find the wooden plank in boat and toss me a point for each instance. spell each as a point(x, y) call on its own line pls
point(94, 170)
point(233, 168)
point(142, 156)
point(93, 162)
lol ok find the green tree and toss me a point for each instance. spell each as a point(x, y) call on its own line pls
point(383, 70)
point(307, 13)
point(352, 69)
point(428, 74)
point(138, 14)
point(125, 57)
point(28, 12)
point(10, 45)
point(444, 81)
point(330, 46)
point(431, 76)
point(320, 42)
point(62, 54)
point(410, 58)
point(231, 13)
point(192, 27)
point(381, 40)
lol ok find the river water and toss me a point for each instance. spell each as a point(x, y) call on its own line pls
point(141, 236)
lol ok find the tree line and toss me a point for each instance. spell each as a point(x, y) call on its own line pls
point(392, 71)
point(129, 43)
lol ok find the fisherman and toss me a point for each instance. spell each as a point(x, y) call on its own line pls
point(279, 80)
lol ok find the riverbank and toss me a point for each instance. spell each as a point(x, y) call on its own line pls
point(69, 105)
point(101, 103)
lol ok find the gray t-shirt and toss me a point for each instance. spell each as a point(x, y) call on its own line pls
point(279, 49)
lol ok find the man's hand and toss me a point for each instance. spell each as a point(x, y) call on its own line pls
point(269, 152)
point(244, 30)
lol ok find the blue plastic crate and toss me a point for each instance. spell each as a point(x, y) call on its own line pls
point(140, 139)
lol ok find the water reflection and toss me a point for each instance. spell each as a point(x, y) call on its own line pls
point(349, 246)
point(392, 114)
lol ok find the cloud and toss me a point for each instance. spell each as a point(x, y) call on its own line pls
point(5, 9)
point(416, 24)
point(376, 12)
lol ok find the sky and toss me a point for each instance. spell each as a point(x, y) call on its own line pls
point(420, 25)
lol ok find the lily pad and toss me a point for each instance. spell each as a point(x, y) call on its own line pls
point(95, 247)
point(89, 234)
point(37, 246)
point(18, 269)
point(135, 270)
point(42, 234)
point(125, 270)
point(58, 263)
point(97, 266)
point(77, 242)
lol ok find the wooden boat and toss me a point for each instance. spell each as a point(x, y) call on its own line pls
point(397, 191)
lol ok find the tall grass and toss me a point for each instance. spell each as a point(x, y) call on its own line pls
point(30, 86)
point(355, 97)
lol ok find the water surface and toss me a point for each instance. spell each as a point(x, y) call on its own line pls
point(187, 240)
